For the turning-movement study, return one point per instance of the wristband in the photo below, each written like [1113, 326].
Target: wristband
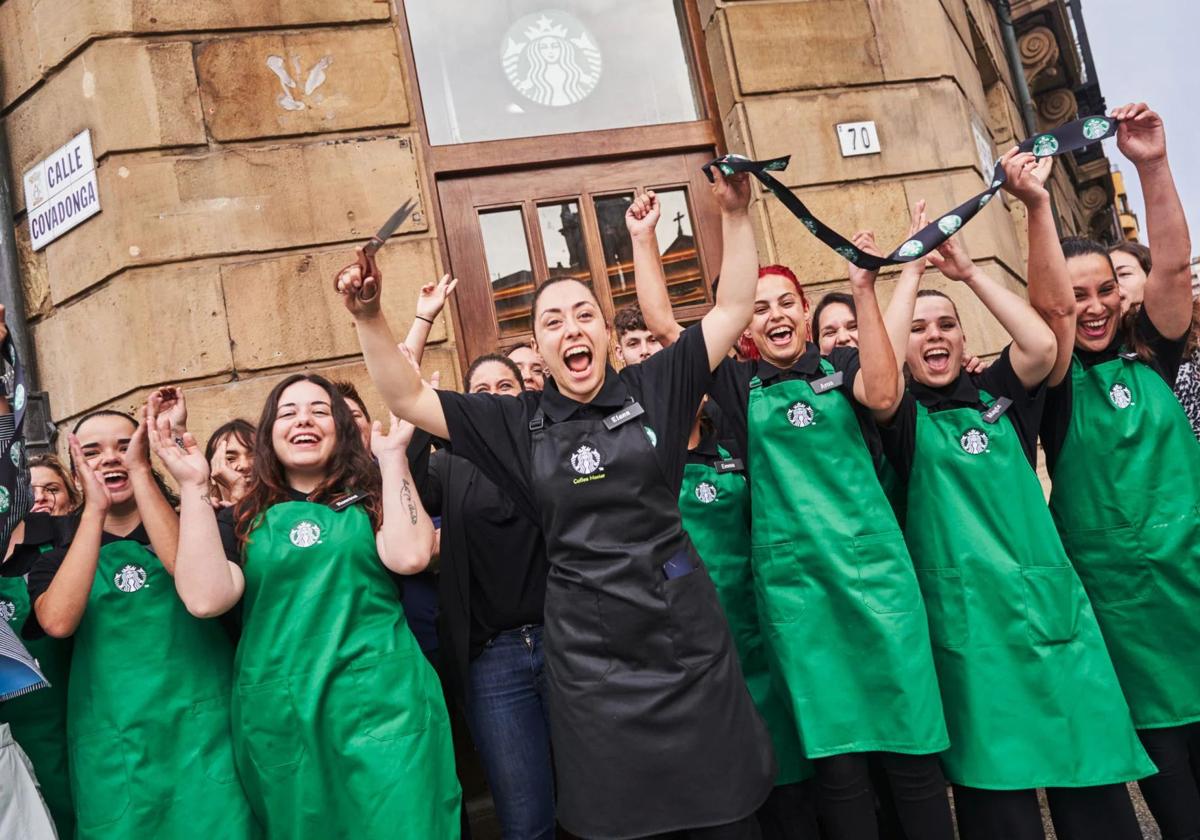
[426, 320]
[1066, 138]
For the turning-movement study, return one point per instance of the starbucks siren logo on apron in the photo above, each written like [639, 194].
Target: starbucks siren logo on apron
[974, 441]
[585, 460]
[7, 610]
[550, 58]
[1120, 395]
[800, 415]
[305, 534]
[130, 578]
[1095, 128]
[706, 492]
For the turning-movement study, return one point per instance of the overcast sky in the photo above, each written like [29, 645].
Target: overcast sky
[1146, 51]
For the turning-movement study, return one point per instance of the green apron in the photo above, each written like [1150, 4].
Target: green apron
[148, 711]
[1126, 500]
[340, 728]
[715, 505]
[39, 720]
[844, 620]
[1031, 696]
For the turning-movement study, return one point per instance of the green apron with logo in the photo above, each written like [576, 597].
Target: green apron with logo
[1126, 500]
[715, 506]
[842, 611]
[1030, 693]
[340, 727]
[39, 720]
[148, 711]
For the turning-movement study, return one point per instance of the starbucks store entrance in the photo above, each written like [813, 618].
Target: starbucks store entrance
[540, 124]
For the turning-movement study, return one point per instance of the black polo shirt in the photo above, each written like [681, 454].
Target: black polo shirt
[493, 431]
[43, 533]
[706, 451]
[506, 555]
[999, 380]
[1056, 420]
[731, 390]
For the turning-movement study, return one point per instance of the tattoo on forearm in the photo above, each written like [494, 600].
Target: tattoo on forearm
[406, 494]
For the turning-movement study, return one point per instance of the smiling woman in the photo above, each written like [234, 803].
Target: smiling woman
[643, 680]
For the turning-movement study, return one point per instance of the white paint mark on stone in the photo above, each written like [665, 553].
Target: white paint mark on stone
[135, 251]
[123, 172]
[285, 99]
[316, 76]
[89, 84]
[287, 81]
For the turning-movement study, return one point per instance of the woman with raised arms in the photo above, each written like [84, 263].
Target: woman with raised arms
[339, 726]
[838, 601]
[652, 727]
[1029, 690]
[1126, 475]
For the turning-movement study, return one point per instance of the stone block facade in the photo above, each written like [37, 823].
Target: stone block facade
[244, 148]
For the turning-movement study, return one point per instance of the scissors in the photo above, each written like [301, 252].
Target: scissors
[389, 227]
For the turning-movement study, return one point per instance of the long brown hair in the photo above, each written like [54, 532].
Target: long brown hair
[350, 467]
[1127, 333]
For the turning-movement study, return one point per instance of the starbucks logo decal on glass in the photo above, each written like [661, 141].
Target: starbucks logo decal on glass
[551, 58]
[305, 534]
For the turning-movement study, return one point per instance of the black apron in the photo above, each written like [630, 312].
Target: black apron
[652, 726]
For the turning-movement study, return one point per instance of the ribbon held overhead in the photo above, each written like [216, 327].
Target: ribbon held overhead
[1060, 141]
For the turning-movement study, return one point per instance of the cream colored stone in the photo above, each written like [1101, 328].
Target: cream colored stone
[921, 127]
[34, 281]
[51, 31]
[720, 62]
[799, 46]
[283, 311]
[301, 82]
[150, 326]
[141, 95]
[233, 201]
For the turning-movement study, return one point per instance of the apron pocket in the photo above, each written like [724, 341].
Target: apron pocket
[270, 726]
[698, 624]
[946, 606]
[580, 652]
[885, 574]
[1051, 605]
[1111, 564]
[102, 792]
[392, 701]
[211, 729]
[778, 582]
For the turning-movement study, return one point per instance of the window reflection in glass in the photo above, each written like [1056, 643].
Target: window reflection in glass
[562, 239]
[509, 269]
[522, 68]
[676, 243]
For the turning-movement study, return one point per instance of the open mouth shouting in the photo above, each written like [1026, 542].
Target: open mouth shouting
[115, 480]
[937, 359]
[1095, 329]
[781, 336]
[578, 360]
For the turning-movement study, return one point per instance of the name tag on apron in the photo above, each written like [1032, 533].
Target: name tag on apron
[728, 465]
[623, 416]
[1128, 355]
[827, 383]
[678, 566]
[997, 410]
[345, 501]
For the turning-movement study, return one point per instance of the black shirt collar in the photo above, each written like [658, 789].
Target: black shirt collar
[962, 391]
[558, 407]
[808, 364]
[706, 449]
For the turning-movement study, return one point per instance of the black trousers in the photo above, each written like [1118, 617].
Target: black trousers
[1104, 812]
[790, 813]
[745, 829]
[1173, 793]
[846, 797]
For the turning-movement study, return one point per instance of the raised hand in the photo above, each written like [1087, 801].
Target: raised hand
[732, 192]
[230, 482]
[433, 297]
[169, 402]
[643, 214]
[95, 494]
[1026, 176]
[178, 451]
[952, 260]
[137, 454]
[1141, 136]
[974, 364]
[864, 241]
[360, 284]
[395, 442]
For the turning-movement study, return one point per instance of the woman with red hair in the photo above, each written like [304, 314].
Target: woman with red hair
[838, 599]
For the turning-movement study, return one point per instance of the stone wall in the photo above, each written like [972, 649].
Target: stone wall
[242, 150]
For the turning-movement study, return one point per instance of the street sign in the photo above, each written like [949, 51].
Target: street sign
[858, 138]
[61, 191]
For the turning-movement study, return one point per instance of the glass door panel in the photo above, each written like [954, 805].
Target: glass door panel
[563, 242]
[509, 269]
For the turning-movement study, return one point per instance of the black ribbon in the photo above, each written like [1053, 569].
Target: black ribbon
[1066, 138]
[16, 494]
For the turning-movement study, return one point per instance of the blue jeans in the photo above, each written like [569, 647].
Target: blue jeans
[509, 720]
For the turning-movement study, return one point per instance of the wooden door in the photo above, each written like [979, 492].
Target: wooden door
[508, 233]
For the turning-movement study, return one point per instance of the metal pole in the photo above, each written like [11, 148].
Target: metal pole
[1020, 86]
[12, 292]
